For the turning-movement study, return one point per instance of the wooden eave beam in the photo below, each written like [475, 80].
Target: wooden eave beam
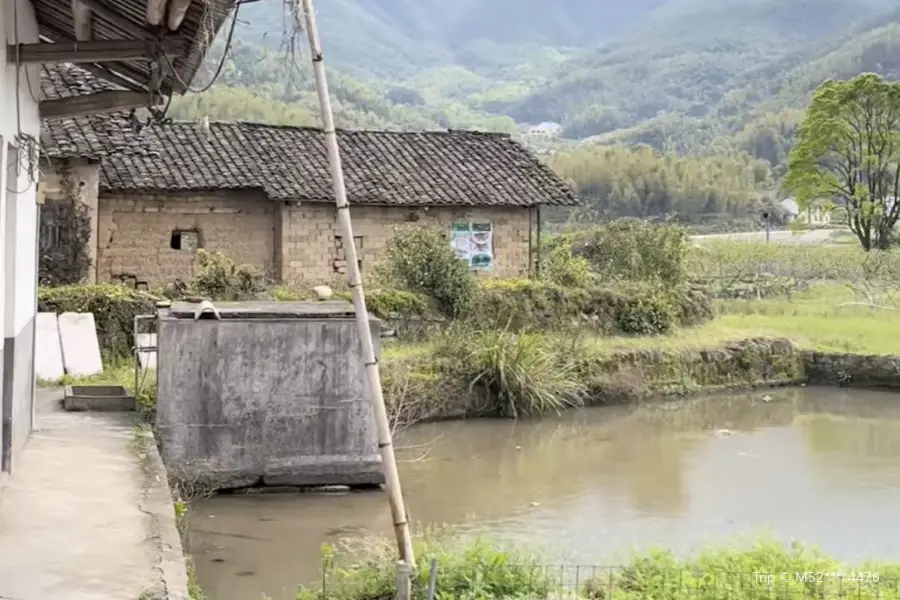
[95, 51]
[101, 102]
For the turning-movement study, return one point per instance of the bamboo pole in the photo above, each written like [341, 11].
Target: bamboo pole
[385, 443]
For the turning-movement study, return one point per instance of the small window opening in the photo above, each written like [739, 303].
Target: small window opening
[340, 262]
[184, 240]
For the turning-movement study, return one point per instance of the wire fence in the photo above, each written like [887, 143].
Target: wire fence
[639, 581]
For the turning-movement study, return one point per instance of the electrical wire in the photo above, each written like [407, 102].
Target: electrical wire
[225, 52]
[26, 144]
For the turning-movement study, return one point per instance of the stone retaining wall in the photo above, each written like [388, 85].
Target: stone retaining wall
[852, 370]
[629, 376]
[159, 506]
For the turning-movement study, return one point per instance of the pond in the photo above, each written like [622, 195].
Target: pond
[819, 465]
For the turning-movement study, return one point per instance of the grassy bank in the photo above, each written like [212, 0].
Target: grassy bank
[745, 345]
[471, 371]
[511, 375]
[762, 568]
[828, 317]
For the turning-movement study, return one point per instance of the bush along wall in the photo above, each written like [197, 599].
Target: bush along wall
[629, 308]
[633, 249]
[114, 308]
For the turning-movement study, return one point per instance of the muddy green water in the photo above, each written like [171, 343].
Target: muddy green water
[820, 465]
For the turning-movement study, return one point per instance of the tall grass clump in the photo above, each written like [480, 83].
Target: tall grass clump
[467, 570]
[511, 374]
[422, 261]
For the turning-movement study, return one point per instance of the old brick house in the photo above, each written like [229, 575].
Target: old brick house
[262, 195]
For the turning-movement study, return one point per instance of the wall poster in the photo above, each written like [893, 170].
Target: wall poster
[474, 243]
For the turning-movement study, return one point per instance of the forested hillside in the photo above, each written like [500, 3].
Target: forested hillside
[690, 78]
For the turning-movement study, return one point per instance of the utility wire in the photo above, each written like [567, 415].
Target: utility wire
[225, 52]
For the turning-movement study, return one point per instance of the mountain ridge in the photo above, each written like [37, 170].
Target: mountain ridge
[685, 75]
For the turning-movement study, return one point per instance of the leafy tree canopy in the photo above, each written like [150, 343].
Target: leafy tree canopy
[848, 153]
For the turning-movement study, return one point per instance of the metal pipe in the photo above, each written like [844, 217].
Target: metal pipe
[373, 377]
[432, 579]
[37, 285]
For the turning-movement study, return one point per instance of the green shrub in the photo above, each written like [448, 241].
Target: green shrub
[220, 278]
[422, 261]
[391, 304]
[527, 303]
[630, 308]
[114, 308]
[693, 305]
[632, 249]
[644, 312]
[509, 374]
[562, 267]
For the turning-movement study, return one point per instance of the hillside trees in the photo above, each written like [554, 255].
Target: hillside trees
[643, 182]
[848, 153]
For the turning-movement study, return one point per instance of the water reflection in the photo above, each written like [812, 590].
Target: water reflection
[813, 464]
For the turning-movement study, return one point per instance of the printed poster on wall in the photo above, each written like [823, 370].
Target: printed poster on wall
[474, 243]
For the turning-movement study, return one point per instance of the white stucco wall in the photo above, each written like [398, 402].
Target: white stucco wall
[19, 119]
[15, 118]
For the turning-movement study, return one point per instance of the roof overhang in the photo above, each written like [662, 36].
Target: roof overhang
[147, 47]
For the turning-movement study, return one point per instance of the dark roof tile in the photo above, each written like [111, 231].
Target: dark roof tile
[453, 168]
[92, 137]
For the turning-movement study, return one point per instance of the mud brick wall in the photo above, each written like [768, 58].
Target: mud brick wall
[312, 250]
[295, 243]
[135, 234]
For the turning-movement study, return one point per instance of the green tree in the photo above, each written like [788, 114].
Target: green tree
[848, 153]
[645, 183]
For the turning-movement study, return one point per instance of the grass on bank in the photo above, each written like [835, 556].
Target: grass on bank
[497, 374]
[546, 372]
[824, 318]
[482, 570]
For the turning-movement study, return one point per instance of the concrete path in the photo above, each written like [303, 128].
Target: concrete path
[73, 524]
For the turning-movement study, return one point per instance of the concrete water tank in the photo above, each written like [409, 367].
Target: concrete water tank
[268, 393]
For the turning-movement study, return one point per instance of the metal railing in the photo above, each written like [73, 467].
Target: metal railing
[640, 581]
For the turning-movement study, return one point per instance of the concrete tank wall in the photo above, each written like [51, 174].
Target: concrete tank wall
[277, 399]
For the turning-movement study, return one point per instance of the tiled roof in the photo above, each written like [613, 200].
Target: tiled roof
[92, 137]
[290, 163]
